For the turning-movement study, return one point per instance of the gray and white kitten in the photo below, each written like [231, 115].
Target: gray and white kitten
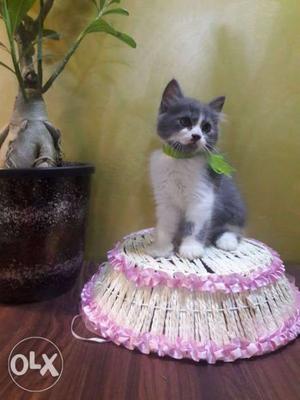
[194, 205]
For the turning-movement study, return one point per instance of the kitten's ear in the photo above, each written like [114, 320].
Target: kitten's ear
[217, 103]
[170, 94]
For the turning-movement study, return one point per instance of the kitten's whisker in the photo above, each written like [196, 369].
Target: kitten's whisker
[206, 149]
[209, 148]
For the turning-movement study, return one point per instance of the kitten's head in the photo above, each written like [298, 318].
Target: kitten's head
[185, 123]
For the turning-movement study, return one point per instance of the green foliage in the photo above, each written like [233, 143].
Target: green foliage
[17, 9]
[120, 11]
[51, 34]
[218, 164]
[99, 25]
[6, 19]
[102, 4]
[13, 13]
[96, 4]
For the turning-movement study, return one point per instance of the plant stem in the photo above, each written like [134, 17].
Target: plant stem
[69, 54]
[40, 45]
[7, 67]
[63, 63]
[16, 67]
[12, 49]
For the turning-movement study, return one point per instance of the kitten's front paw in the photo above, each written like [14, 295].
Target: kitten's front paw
[227, 241]
[190, 248]
[159, 250]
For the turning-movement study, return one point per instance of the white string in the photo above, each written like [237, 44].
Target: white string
[76, 336]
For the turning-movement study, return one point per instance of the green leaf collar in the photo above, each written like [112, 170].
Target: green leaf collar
[216, 161]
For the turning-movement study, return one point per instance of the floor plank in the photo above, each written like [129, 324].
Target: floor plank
[105, 371]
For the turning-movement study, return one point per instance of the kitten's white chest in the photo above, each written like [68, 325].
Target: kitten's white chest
[181, 181]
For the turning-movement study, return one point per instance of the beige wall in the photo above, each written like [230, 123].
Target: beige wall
[106, 103]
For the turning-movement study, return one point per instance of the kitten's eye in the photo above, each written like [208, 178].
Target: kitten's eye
[205, 127]
[185, 122]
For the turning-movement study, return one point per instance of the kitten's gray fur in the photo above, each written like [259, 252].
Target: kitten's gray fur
[228, 210]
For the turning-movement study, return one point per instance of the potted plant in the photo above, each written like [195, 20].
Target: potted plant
[43, 199]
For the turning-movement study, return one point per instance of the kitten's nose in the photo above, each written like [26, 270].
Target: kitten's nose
[196, 137]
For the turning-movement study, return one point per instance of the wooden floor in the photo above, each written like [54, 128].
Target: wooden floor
[105, 371]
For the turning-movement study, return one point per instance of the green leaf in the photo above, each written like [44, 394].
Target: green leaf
[51, 34]
[96, 4]
[99, 25]
[17, 9]
[102, 4]
[114, 1]
[7, 67]
[6, 18]
[120, 11]
[218, 164]
[7, 21]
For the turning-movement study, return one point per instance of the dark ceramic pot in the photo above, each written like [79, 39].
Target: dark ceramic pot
[43, 214]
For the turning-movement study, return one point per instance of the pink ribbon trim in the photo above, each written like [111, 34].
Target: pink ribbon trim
[231, 283]
[98, 322]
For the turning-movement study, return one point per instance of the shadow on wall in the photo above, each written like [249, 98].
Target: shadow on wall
[263, 138]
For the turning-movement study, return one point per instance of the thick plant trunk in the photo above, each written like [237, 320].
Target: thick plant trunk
[29, 140]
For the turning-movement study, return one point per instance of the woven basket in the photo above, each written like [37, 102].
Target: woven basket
[224, 306]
